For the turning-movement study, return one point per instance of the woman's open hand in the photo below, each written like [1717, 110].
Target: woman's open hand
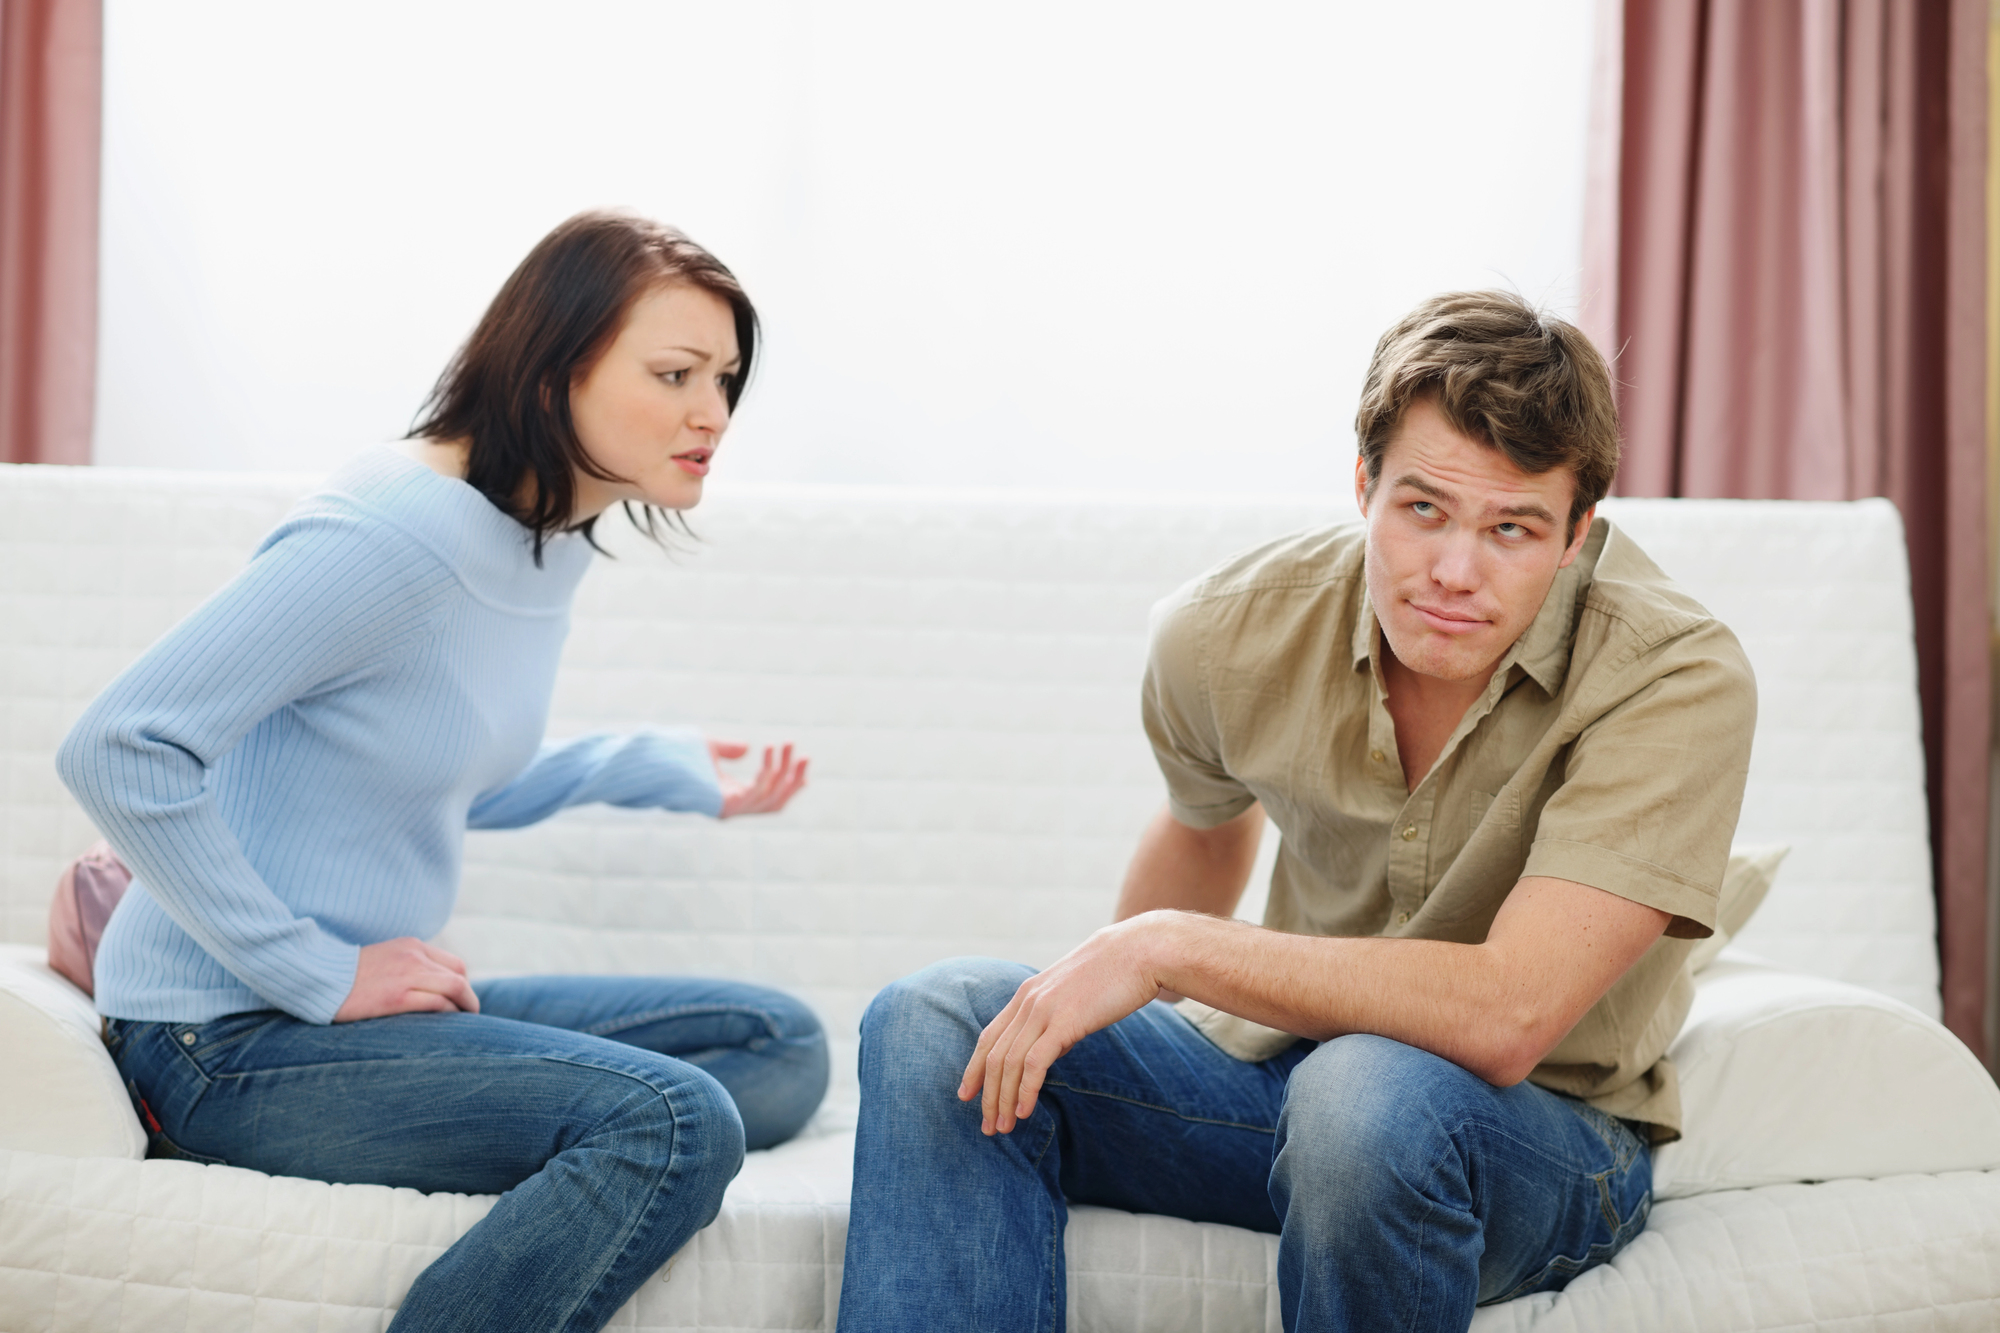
[778, 779]
[407, 976]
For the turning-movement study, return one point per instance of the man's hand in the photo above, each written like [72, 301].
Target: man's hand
[778, 780]
[1092, 986]
[407, 976]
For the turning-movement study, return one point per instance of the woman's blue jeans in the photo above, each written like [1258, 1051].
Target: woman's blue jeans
[609, 1113]
[1405, 1190]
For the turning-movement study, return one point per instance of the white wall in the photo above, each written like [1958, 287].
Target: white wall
[1078, 245]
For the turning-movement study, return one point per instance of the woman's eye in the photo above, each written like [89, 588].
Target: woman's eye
[674, 377]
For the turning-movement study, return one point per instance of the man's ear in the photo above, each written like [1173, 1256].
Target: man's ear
[1361, 483]
[1577, 538]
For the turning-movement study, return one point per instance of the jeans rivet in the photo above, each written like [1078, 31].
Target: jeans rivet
[187, 1038]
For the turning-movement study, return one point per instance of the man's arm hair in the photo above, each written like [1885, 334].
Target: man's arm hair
[1496, 1008]
[1179, 868]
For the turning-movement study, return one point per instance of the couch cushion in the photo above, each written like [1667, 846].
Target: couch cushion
[61, 1093]
[1786, 1077]
[1747, 879]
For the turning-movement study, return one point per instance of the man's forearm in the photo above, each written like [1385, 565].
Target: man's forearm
[1191, 870]
[1495, 1008]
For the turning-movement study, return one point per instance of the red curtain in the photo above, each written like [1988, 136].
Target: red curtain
[1786, 249]
[51, 62]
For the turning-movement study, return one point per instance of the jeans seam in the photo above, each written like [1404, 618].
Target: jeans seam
[1058, 1291]
[1164, 1110]
[627, 1021]
[1604, 1203]
[1432, 1171]
[646, 1217]
[641, 1079]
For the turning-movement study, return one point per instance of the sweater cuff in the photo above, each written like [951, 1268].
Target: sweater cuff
[686, 777]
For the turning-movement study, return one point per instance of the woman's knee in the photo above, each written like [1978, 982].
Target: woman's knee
[776, 1101]
[790, 1018]
[684, 1131]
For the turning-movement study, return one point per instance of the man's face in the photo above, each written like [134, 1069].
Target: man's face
[1462, 546]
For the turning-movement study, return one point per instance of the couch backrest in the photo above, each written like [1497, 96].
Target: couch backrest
[963, 670]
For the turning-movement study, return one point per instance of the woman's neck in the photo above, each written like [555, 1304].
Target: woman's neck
[447, 458]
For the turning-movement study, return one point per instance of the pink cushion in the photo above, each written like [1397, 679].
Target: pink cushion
[89, 888]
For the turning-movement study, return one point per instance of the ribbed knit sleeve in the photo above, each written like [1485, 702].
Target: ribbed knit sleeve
[329, 600]
[665, 769]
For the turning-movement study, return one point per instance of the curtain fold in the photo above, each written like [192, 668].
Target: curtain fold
[51, 74]
[1786, 251]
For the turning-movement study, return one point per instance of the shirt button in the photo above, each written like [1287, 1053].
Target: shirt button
[1402, 917]
[1376, 755]
[1410, 833]
[187, 1038]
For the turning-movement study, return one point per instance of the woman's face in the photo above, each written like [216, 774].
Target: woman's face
[653, 408]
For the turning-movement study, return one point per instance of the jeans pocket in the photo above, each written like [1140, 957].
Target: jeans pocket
[158, 1145]
[1618, 1135]
[1619, 1196]
[204, 1042]
[1557, 1273]
[161, 1148]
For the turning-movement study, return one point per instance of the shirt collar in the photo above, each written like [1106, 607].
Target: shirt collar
[1543, 650]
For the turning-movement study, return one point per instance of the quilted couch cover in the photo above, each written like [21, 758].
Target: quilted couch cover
[963, 670]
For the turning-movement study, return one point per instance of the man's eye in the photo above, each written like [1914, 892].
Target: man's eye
[1424, 508]
[1512, 530]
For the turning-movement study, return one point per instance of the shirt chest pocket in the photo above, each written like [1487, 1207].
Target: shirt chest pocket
[1497, 814]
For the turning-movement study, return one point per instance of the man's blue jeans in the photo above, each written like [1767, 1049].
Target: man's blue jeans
[1405, 1190]
[609, 1113]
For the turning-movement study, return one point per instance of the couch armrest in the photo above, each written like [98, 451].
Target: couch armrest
[1788, 1077]
[60, 1093]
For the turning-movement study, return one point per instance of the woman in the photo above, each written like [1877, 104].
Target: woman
[290, 771]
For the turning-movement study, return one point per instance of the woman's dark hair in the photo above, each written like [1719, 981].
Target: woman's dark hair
[506, 391]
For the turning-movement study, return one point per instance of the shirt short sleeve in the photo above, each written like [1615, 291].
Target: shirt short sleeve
[1180, 719]
[1653, 784]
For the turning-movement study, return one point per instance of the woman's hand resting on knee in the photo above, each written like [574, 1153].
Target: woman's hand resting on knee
[407, 976]
[778, 780]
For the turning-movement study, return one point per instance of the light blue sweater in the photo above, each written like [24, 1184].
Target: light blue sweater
[291, 770]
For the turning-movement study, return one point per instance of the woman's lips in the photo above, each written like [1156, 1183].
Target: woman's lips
[695, 462]
[1450, 622]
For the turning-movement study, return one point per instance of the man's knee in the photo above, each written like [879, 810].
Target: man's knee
[1363, 1111]
[931, 1018]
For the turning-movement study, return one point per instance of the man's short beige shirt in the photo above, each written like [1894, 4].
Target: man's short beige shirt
[1609, 748]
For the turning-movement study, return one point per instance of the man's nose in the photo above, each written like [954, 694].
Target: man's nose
[1457, 564]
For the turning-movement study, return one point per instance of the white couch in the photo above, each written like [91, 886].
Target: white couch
[963, 670]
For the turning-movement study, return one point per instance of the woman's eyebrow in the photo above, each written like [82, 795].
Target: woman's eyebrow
[700, 355]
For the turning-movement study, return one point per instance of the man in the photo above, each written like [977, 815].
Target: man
[1506, 756]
